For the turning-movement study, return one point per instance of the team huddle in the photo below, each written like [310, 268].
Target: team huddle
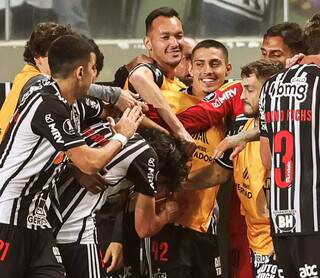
[120, 179]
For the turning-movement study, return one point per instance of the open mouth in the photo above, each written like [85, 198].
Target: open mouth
[208, 81]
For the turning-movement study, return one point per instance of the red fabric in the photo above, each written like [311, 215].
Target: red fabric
[208, 113]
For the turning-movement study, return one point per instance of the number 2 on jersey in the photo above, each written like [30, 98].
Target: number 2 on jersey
[283, 146]
[4, 246]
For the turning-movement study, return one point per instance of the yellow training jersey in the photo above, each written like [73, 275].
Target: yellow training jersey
[11, 101]
[251, 183]
[196, 206]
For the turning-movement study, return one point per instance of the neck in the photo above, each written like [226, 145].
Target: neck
[168, 70]
[66, 89]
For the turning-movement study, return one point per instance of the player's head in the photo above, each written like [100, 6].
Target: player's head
[253, 77]
[182, 71]
[163, 36]
[99, 58]
[171, 154]
[36, 48]
[210, 66]
[312, 35]
[72, 59]
[282, 41]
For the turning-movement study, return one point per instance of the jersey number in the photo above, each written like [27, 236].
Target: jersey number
[4, 246]
[283, 146]
[160, 250]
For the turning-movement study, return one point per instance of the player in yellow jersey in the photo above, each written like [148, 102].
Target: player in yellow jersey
[189, 247]
[250, 176]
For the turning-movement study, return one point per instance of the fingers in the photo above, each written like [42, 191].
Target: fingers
[107, 256]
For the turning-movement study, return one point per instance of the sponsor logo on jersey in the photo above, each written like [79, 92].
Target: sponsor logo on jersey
[56, 253]
[68, 127]
[217, 265]
[284, 220]
[151, 172]
[94, 104]
[297, 88]
[54, 131]
[267, 270]
[244, 190]
[159, 274]
[218, 101]
[308, 271]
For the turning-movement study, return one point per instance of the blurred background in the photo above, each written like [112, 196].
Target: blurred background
[118, 25]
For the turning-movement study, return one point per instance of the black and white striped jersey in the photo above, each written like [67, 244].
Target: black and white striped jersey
[136, 164]
[289, 117]
[30, 155]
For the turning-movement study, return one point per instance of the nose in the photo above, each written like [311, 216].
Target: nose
[242, 96]
[174, 42]
[208, 68]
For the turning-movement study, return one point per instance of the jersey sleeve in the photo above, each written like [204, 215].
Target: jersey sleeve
[262, 119]
[212, 109]
[234, 129]
[52, 121]
[90, 107]
[143, 172]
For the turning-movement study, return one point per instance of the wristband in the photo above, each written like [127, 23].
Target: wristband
[121, 138]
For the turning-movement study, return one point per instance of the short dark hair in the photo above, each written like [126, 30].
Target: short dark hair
[263, 69]
[171, 154]
[99, 56]
[291, 33]
[214, 44]
[42, 37]
[163, 11]
[312, 35]
[68, 52]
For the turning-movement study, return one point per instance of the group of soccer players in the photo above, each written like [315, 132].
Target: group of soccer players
[93, 177]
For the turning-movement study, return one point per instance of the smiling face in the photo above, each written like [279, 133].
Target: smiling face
[250, 95]
[274, 48]
[209, 70]
[164, 41]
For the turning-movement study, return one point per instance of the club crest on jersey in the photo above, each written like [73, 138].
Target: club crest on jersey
[68, 127]
[297, 88]
[285, 220]
[209, 97]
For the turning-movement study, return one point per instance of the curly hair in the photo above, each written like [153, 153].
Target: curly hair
[311, 35]
[42, 37]
[171, 154]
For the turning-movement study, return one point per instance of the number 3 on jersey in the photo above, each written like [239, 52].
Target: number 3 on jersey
[283, 150]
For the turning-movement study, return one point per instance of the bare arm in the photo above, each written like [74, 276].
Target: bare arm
[142, 80]
[236, 142]
[147, 222]
[207, 176]
[265, 152]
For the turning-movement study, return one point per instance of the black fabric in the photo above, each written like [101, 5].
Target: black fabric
[76, 259]
[264, 265]
[179, 251]
[297, 256]
[27, 253]
[143, 172]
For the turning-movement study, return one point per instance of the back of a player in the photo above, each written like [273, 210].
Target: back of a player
[289, 113]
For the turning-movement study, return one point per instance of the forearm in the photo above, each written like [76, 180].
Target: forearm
[148, 123]
[92, 160]
[207, 176]
[250, 135]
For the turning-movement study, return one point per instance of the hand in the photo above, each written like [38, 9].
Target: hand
[237, 142]
[294, 60]
[93, 183]
[188, 141]
[172, 210]
[129, 122]
[115, 254]
[128, 99]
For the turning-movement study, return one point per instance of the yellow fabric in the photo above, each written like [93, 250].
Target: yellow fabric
[196, 206]
[251, 181]
[10, 104]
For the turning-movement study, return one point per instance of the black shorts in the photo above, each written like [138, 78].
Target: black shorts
[29, 253]
[182, 252]
[134, 256]
[298, 256]
[264, 265]
[81, 260]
